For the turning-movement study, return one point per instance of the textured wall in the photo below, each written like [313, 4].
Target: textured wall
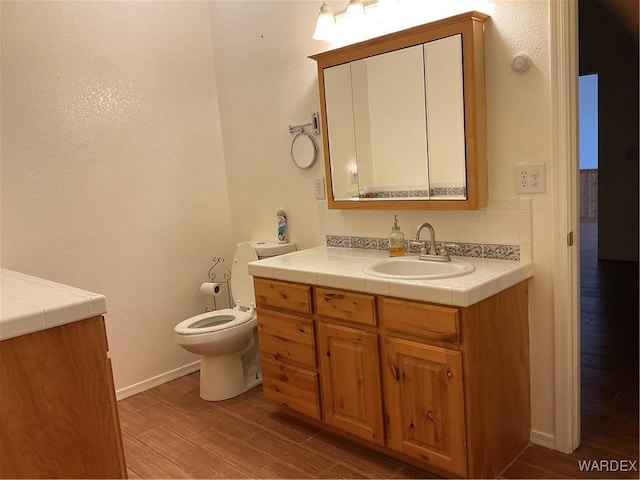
[266, 83]
[112, 172]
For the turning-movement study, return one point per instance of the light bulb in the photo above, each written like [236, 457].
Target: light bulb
[355, 12]
[325, 25]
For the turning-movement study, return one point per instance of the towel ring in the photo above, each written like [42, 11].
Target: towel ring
[304, 153]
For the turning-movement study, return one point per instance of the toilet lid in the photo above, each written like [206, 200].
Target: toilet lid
[213, 321]
[241, 282]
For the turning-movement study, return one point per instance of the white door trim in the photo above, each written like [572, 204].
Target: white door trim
[564, 119]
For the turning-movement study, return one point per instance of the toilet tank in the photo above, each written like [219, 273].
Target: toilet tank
[271, 249]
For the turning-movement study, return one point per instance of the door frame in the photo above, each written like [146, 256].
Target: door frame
[565, 250]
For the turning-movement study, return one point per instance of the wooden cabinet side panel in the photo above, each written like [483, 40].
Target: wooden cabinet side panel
[114, 404]
[57, 408]
[350, 378]
[496, 335]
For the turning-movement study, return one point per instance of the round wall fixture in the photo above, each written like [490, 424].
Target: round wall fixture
[520, 62]
[304, 150]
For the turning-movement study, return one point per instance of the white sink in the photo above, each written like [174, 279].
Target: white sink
[410, 268]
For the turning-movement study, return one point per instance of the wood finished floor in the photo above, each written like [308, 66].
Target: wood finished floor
[169, 432]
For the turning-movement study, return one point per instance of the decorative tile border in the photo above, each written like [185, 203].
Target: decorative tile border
[423, 194]
[448, 192]
[473, 250]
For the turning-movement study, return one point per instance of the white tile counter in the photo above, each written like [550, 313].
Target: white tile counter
[342, 268]
[30, 304]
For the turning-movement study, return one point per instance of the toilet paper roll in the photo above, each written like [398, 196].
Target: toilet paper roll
[209, 289]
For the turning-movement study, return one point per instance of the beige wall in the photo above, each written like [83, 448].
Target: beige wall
[112, 170]
[113, 177]
[266, 83]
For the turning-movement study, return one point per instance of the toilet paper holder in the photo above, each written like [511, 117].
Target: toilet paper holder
[219, 282]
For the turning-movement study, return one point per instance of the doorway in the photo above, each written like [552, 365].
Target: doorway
[608, 47]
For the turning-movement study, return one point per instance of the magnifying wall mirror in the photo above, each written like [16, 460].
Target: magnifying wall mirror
[304, 150]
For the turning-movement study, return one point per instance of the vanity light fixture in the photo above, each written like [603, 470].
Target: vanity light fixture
[353, 18]
[326, 23]
[387, 7]
[355, 12]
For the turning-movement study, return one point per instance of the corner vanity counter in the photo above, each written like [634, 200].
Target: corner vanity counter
[58, 408]
[432, 370]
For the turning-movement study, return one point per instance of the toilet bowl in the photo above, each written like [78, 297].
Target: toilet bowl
[227, 340]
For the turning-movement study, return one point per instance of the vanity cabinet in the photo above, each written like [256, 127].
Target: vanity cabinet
[58, 411]
[444, 388]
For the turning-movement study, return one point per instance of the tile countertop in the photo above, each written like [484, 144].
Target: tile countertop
[342, 268]
[30, 304]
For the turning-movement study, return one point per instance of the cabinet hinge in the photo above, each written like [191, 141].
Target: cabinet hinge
[570, 239]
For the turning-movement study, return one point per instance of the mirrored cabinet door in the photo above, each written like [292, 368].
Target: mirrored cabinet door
[445, 118]
[403, 118]
[374, 115]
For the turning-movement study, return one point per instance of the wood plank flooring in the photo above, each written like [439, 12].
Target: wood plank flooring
[169, 432]
[609, 371]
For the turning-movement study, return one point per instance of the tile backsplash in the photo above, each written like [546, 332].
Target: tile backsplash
[502, 230]
[474, 250]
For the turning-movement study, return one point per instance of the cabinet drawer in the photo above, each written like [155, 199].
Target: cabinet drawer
[429, 321]
[290, 296]
[291, 386]
[354, 307]
[286, 338]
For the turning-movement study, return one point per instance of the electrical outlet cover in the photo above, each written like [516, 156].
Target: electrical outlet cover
[530, 178]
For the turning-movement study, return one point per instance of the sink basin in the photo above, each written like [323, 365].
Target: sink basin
[410, 268]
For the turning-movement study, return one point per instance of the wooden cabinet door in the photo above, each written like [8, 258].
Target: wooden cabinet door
[350, 379]
[425, 403]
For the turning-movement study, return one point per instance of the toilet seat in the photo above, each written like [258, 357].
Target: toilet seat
[242, 288]
[213, 321]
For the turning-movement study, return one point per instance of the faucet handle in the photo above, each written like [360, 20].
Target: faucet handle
[445, 250]
[422, 245]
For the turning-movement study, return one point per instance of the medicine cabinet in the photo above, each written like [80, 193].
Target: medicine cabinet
[403, 117]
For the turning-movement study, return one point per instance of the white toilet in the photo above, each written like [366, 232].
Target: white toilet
[227, 339]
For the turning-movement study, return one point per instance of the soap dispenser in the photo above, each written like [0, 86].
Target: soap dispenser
[396, 240]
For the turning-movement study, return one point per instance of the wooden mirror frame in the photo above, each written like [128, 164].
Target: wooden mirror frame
[471, 26]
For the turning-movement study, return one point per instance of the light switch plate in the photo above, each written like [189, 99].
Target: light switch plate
[531, 178]
[318, 187]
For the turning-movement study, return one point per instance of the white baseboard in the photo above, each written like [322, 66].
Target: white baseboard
[543, 439]
[157, 380]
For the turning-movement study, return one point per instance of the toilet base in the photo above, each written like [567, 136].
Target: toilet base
[227, 376]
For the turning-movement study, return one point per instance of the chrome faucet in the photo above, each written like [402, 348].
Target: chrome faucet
[432, 253]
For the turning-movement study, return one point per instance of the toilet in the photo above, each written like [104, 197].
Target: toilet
[227, 340]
